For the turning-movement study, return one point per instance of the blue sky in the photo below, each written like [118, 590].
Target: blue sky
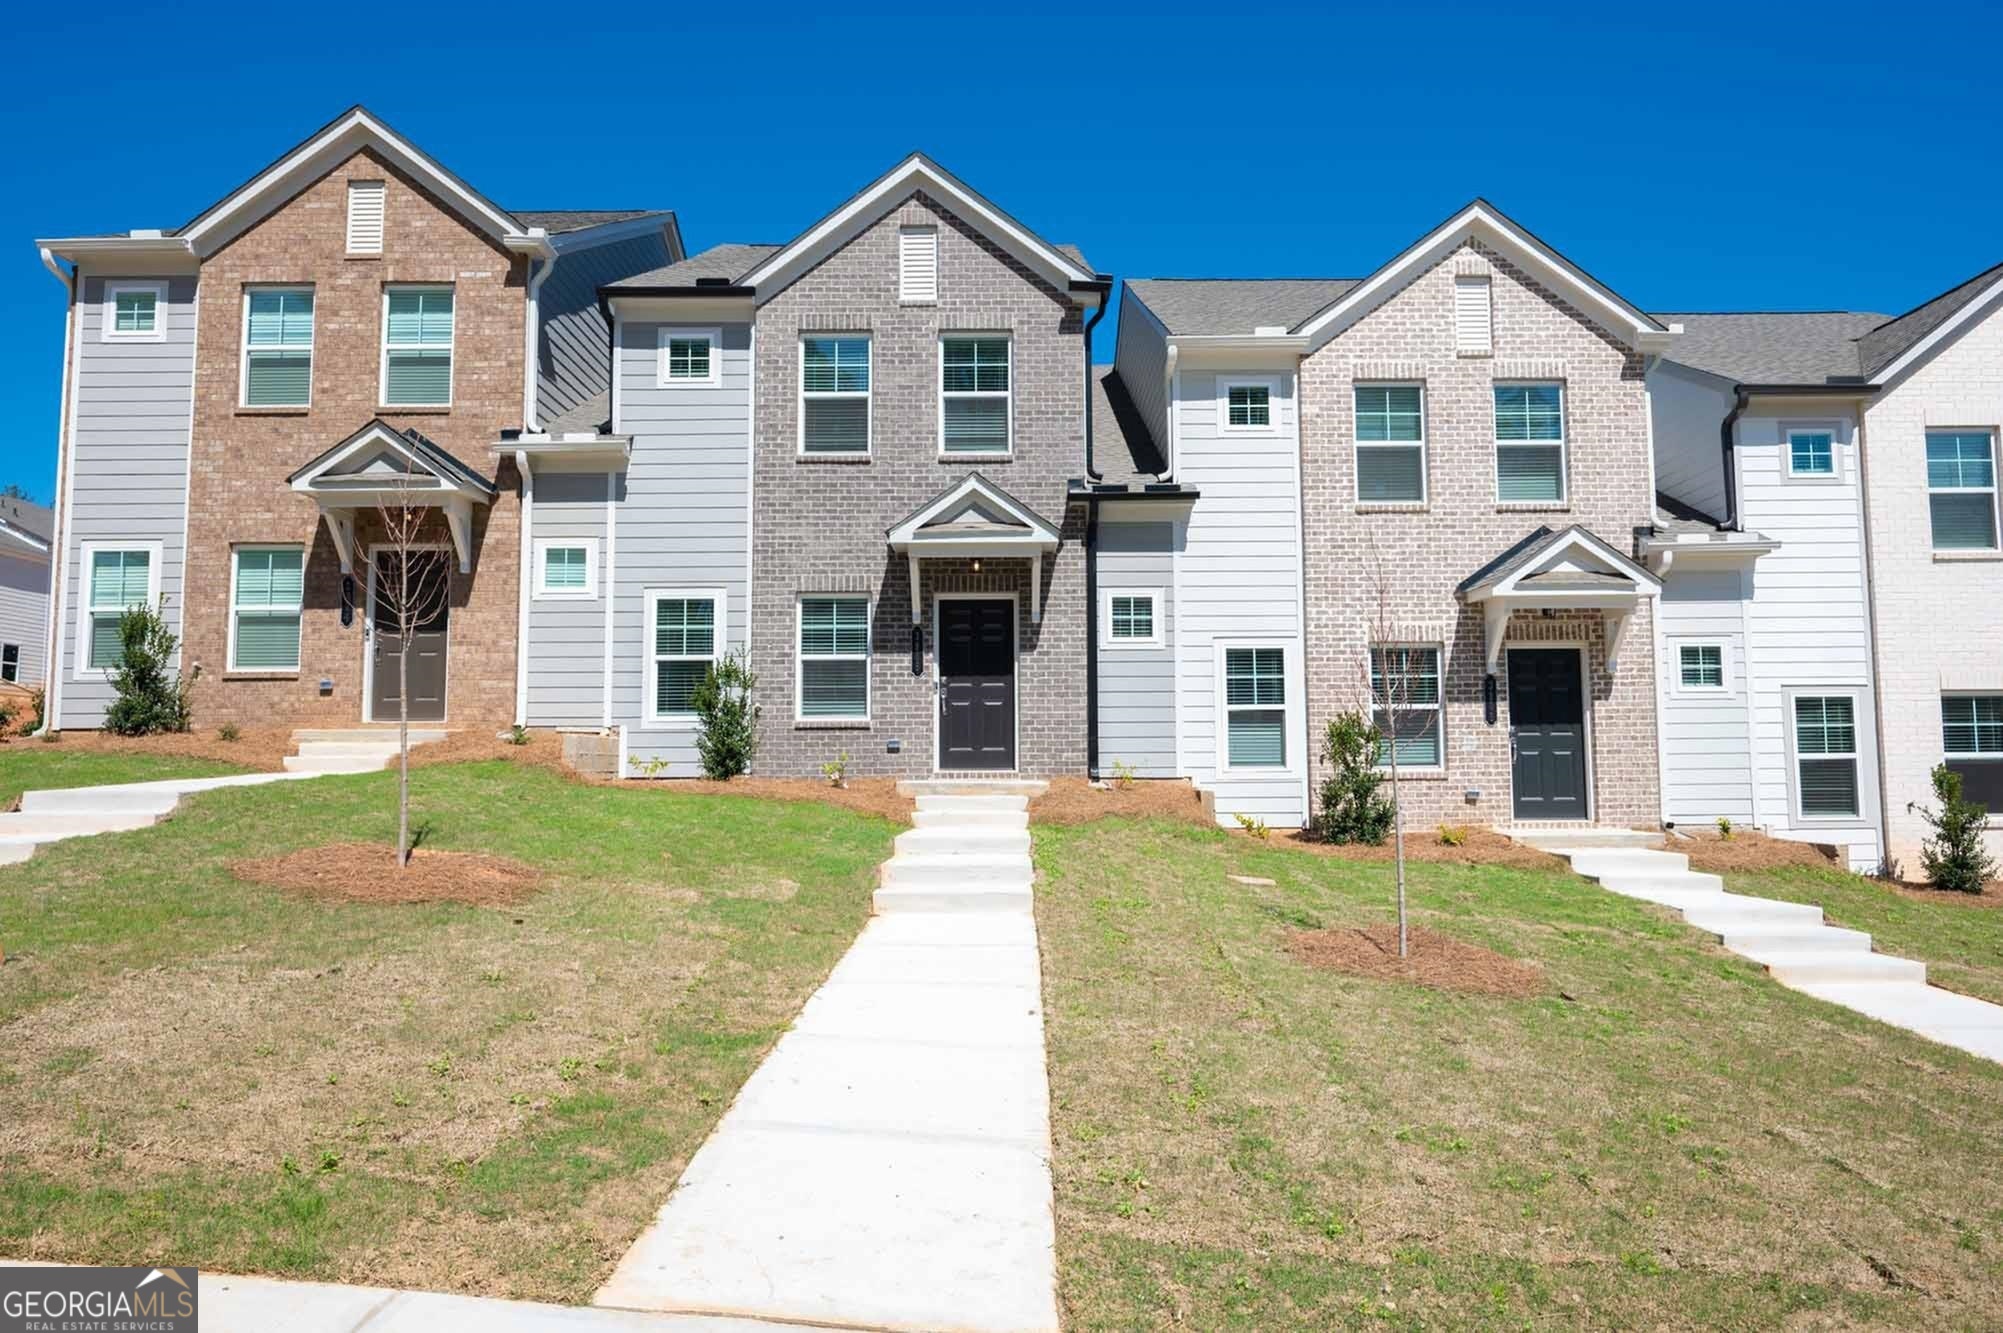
[1693, 156]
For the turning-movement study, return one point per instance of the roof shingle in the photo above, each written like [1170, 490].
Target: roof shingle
[1212, 306]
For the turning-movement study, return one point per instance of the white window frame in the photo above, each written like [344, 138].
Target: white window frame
[867, 395]
[867, 657]
[1356, 431]
[1993, 491]
[298, 610]
[904, 296]
[109, 316]
[1790, 429]
[1980, 755]
[1008, 395]
[382, 236]
[1226, 383]
[1290, 674]
[1563, 443]
[543, 591]
[1724, 686]
[10, 671]
[1855, 756]
[451, 348]
[244, 347]
[667, 334]
[651, 672]
[80, 665]
[1439, 652]
[1106, 638]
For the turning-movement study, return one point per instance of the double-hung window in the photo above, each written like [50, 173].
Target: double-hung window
[417, 347]
[1961, 489]
[1405, 705]
[1390, 443]
[834, 395]
[974, 395]
[1811, 453]
[1700, 667]
[682, 630]
[1247, 405]
[10, 661]
[1131, 619]
[566, 567]
[135, 312]
[1255, 707]
[120, 579]
[688, 359]
[1825, 755]
[1529, 443]
[834, 659]
[268, 586]
[278, 347]
[1971, 729]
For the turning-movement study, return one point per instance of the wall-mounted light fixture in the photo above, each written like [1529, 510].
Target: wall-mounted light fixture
[977, 564]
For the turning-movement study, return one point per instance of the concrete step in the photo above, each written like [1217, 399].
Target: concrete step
[1559, 840]
[1007, 819]
[353, 748]
[967, 802]
[137, 799]
[971, 787]
[335, 763]
[1604, 861]
[1825, 967]
[984, 870]
[964, 840]
[46, 827]
[1794, 939]
[378, 735]
[1730, 912]
[1675, 882]
[14, 855]
[889, 900]
[1682, 900]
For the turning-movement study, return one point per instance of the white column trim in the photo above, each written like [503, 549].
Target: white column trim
[611, 564]
[528, 583]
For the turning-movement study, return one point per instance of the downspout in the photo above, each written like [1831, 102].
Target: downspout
[532, 338]
[52, 661]
[1091, 640]
[527, 582]
[1727, 431]
[1871, 655]
[1091, 472]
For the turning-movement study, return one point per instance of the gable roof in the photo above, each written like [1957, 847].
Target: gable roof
[27, 516]
[1537, 560]
[558, 221]
[942, 518]
[1772, 347]
[1211, 306]
[726, 263]
[1887, 344]
[410, 444]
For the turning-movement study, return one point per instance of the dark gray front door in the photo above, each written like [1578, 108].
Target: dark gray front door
[977, 684]
[430, 593]
[1547, 733]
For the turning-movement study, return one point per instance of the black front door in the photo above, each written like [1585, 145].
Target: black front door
[977, 684]
[422, 596]
[1547, 733]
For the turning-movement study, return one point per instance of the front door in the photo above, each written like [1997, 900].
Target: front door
[977, 683]
[421, 599]
[1547, 733]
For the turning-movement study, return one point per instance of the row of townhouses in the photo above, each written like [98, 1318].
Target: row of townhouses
[1587, 562]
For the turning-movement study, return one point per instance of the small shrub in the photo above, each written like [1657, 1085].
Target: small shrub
[38, 699]
[836, 770]
[8, 710]
[650, 767]
[1123, 774]
[1352, 807]
[1252, 825]
[1724, 828]
[1954, 857]
[518, 735]
[1453, 835]
[150, 698]
[228, 731]
[727, 737]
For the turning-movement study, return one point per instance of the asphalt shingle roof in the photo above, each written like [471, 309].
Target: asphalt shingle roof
[1123, 452]
[556, 221]
[28, 516]
[729, 261]
[593, 416]
[1202, 306]
[1888, 342]
[1772, 347]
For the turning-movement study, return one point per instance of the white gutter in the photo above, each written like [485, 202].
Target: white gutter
[528, 575]
[52, 665]
[532, 328]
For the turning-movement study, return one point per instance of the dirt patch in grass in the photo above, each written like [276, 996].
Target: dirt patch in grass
[1077, 801]
[1479, 847]
[1436, 960]
[1747, 851]
[262, 749]
[1991, 895]
[366, 872]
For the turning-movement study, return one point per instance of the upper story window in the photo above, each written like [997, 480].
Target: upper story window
[834, 394]
[566, 567]
[417, 347]
[1700, 666]
[278, 347]
[918, 265]
[1961, 489]
[365, 217]
[135, 312]
[974, 395]
[1390, 443]
[1530, 443]
[1132, 617]
[1246, 405]
[1811, 453]
[1473, 317]
[689, 359]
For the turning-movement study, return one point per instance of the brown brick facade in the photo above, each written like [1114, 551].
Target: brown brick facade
[819, 526]
[1419, 554]
[242, 457]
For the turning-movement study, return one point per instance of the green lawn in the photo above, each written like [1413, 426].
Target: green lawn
[26, 765]
[435, 1096]
[1664, 1139]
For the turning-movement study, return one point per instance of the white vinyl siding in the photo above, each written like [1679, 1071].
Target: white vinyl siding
[974, 396]
[119, 578]
[268, 587]
[1405, 705]
[1390, 443]
[1961, 489]
[1473, 317]
[365, 217]
[835, 394]
[682, 629]
[689, 359]
[135, 312]
[417, 347]
[566, 568]
[918, 265]
[278, 347]
[1825, 756]
[10, 661]
[833, 659]
[1255, 707]
[1530, 443]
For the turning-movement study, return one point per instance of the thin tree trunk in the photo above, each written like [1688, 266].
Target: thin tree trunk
[1398, 834]
[403, 752]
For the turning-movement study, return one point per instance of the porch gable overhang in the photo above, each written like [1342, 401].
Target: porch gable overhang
[1566, 570]
[380, 466]
[975, 519]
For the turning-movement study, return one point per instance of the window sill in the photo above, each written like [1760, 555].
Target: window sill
[1483, 354]
[1967, 557]
[372, 259]
[414, 410]
[657, 724]
[831, 724]
[832, 458]
[293, 674]
[1392, 506]
[284, 410]
[564, 597]
[1132, 645]
[1415, 774]
[945, 457]
[1533, 506]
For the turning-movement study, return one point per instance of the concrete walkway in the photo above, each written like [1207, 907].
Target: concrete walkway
[1790, 940]
[888, 1165]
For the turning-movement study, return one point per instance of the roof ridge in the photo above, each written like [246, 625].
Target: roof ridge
[1186, 278]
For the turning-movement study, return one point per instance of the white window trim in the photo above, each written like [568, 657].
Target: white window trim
[1291, 675]
[1563, 443]
[1270, 383]
[867, 656]
[545, 593]
[1439, 651]
[668, 333]
[13, 666]
[348, 240]
[80, 666]
[1790, 429]
[243, 343]
[1724, 688]
[109, 316]
[1356, 430]
[658, 721]
[903, 298]
[451, 348]
[298, 610]
[1008, 394]
[867, 395]
[1794, 755]
[1991, 490]
[1106, 639]
[1978, 755]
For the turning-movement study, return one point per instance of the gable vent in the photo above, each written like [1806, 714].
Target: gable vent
[365, 217]
[1472, 324]
[918, 264]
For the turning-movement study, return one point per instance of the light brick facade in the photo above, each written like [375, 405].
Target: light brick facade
[1418, 554]
[819, 524]
[241, 457]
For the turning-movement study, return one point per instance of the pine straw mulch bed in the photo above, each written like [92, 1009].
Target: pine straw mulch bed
[366, 872]
[1435, 960]
[1480, 847]
[1991, 895]
[869, 796]
[1077, 801]
[1746, 851]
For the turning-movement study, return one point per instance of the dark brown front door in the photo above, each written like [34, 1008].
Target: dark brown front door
[1547, 733]
[429, 591]
[977, 684]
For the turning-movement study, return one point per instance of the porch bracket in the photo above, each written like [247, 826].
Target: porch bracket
[1495, 625]
[917, 606]
[341, 527]
[1035, 587]
[459, 517]
[1616, 625]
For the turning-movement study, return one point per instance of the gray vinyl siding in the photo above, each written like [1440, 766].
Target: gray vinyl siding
[24, 612]
[1141, 353]
[684, 521]
[1706, 744]
[1136, 686]
[1686, 407]
[129, 466]
[566, 647]
[573, 355]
